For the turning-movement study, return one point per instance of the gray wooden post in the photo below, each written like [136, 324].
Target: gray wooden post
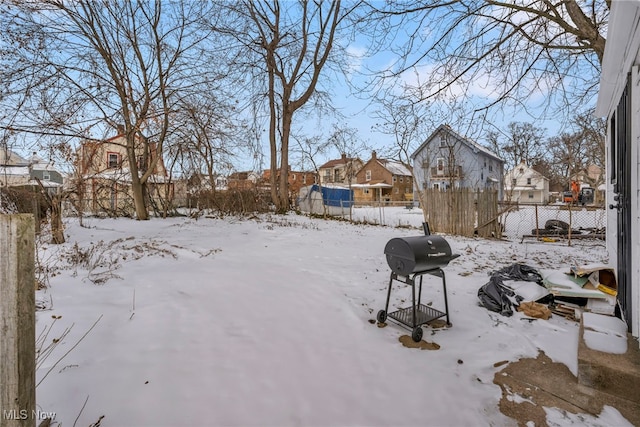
[17, 321]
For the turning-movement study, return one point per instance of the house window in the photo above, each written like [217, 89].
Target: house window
[327, 175]
[113, 160]
[436, 186]
[368, 175]
[490, 167]
[401, 179]
[397, 190]
[141, 163]
[46, 176]
[394, 178]
[293, 177]
[531, 194]
[528, 181]
[443, 141]
[440, 166]
[304, 178]
[365, 190]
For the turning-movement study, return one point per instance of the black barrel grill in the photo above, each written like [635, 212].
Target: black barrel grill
[410, 258]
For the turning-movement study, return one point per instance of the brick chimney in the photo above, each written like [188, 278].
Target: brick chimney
[120, 129]
[373, 155]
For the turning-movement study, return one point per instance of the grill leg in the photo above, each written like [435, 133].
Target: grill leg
[446, 304]
[386, 306]
[413, 298]
[420, 291]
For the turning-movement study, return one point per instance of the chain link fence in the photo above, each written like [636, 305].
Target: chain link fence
[561, 224]
[554, 223]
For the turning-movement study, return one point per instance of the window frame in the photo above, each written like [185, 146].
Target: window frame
[117, 160]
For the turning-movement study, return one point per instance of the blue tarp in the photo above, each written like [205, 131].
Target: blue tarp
[342, 197]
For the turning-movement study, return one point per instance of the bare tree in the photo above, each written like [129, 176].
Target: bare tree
[568, 152]
[522, 142]
[88, 67]
[309, 149]
[294, 42]
[404, 118]
[346, 141]
[572, 153]
[506, 52]
[207, 137]
[593, 130]
[342, 138]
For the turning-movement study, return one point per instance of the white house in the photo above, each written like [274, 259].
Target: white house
[619, 102]
[523, 184]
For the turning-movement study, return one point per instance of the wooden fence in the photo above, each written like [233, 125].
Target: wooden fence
[17, 320]
[463, 212]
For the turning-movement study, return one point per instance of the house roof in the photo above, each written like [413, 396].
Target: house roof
[376, 185]
[338, 162]
[14, 170]
[623, 42]
[528, 172]
[38, 163]
[470, 143]
[524, 188]
[11, 158]
[124, 176]
[395, 167]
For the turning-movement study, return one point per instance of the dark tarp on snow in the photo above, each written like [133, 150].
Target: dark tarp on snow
[498, 297]
[341, 197]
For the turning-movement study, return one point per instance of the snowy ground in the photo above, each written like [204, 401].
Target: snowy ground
[268, 322]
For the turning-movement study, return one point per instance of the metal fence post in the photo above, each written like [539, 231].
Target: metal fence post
[537, 224]
[17, 320]
[570, 226]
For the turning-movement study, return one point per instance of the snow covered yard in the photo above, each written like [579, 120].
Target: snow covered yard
[269, 322]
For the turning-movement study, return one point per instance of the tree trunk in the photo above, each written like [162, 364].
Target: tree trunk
[283, 189]
[137, 185]
[137, 191]
[273, 144]
[138, 202]
[57, 229]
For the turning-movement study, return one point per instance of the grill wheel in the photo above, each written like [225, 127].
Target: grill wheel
[416, 335]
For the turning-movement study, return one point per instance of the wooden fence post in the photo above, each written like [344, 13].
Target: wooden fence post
[17, 321]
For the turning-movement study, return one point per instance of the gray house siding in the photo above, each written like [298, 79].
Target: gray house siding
[47, 175]
[447, 159]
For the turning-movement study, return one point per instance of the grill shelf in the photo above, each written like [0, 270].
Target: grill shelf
[424, 314]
